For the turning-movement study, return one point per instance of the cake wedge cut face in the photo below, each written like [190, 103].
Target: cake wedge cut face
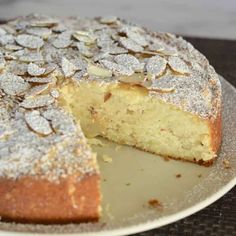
[65, 80]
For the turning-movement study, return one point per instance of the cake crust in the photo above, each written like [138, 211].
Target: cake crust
[35, 200]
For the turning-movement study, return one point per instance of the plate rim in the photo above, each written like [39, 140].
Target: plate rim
[162, 221]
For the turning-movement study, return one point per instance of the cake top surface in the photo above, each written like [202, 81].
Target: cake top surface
[36, 50]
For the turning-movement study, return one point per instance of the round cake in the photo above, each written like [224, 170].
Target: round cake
[65, 80]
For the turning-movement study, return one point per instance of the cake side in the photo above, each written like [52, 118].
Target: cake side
[34, 200]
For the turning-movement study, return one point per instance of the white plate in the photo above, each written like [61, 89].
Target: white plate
[134, 177]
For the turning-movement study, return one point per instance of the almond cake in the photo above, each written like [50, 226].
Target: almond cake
[63, 80]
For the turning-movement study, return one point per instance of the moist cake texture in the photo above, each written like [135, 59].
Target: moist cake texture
[62, 80]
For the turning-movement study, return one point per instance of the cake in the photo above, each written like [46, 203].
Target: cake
[65, 80]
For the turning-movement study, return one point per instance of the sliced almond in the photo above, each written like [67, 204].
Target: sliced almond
[178, 65]
[108, 19]
[31, 57]
[84, 36]
[37, 101]
[63, 40]
[98, 71]
[38, 123]
[13, 84]
[41, 32]
[136, 78]
[29, 41]
[129, 61]
[36, 90]
[13, 47]
[137, 37]
[83, 49]
[40, 80]
[156, 65]
[130, 45]
[35, 70]
[44, 23]
[116, 68]
[162, 90]
[68, 67]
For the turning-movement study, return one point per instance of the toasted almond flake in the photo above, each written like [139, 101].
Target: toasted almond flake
[35, 70]
[40, 80]
[130, 45]
[13, 55]
[178, 65]
[115, 50]
[59, 28]
[54, 93]
[63, 40]
[17, 68]
[116, 68]
[100, 56]
[68, 67]
[156, 47]
[61, 122]
[38, 31]
[31, 57]
[162, 90]
[156, 65]
[36, 90]
[108, 20]
[38, 123]
[37, 101]
[61, 43]
[79, 75]
[44, 23]
[145, 52]
[83, 49]
[136, 78]
[168, 52]
[104, 40]
[137, 38]
[84, 36]
[13, 47]
[98, 71]
[83, 33]
[50, 68]
[29, 41]
[129, 61]
[13, 84]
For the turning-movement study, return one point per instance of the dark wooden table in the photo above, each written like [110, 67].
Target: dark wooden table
[220, 217]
